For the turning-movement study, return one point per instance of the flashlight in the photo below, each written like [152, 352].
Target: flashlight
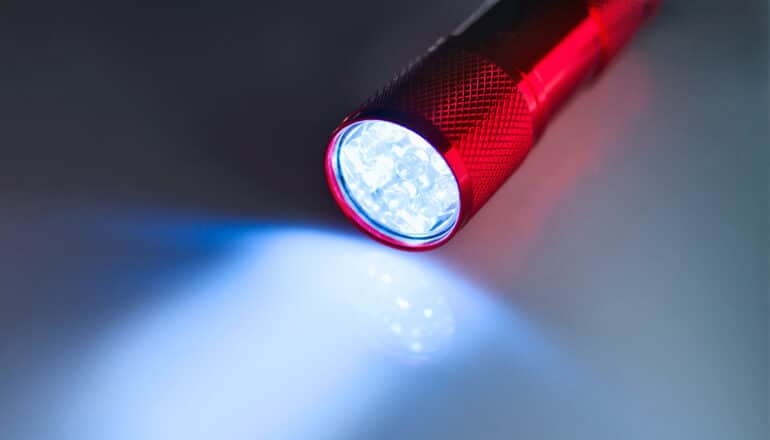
[415, 162]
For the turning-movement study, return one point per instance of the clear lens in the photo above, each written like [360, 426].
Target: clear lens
[396, 181]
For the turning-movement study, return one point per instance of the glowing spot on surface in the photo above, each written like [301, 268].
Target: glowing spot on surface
[244, 348]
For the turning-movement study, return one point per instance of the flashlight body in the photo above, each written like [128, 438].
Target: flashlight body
[483, 95]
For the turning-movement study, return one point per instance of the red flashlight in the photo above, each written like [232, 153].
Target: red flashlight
[414, 163]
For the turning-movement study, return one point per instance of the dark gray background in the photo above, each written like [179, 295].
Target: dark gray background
[636, 232]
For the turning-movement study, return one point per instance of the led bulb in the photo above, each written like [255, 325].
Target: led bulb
[395, 181]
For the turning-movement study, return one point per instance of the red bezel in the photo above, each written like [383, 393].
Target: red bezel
[450, 155]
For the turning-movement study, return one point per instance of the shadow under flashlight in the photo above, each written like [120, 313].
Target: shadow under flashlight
[414, 163]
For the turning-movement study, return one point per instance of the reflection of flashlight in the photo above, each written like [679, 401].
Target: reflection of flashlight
[416, 161]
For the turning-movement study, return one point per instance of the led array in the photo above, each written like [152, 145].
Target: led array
[397, 180]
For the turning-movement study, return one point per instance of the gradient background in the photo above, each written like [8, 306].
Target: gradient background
[172, 266]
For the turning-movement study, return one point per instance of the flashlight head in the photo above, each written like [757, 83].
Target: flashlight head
[416, 161]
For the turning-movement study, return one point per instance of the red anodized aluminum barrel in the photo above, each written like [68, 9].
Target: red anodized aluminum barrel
[483, 95]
